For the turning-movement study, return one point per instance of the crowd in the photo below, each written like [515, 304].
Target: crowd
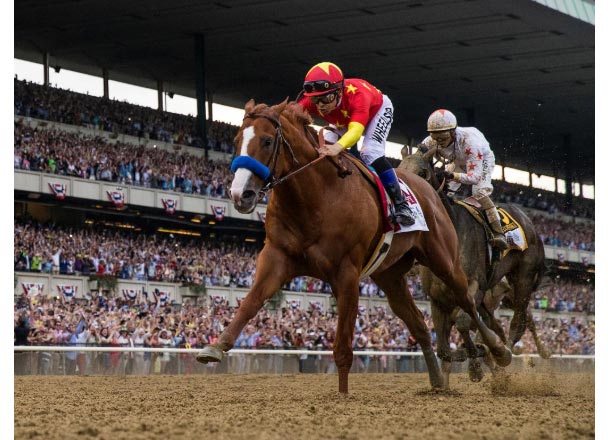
[94, 158]
[548, 201]
[128, 164]
[71, 154]
[106, 321]
[131, 255]
[565, 296]
[55, 249]
[54, 104]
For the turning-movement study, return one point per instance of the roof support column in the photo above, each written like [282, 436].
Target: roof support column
[45, 66]
[210, 106]
[199, 69]
[567, 157]
[106, 83]
[160, 88]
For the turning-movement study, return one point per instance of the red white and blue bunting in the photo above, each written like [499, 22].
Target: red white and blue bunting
[58, 189]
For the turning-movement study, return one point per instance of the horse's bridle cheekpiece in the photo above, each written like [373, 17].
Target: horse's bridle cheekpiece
[266, 172]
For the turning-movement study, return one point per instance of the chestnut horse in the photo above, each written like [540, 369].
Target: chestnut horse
[326, 226]
[523, 271]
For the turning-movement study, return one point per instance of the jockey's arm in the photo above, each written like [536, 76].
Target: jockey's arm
[352, 135]
[473, 168]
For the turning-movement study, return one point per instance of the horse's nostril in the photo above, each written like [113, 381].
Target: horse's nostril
[247, 195]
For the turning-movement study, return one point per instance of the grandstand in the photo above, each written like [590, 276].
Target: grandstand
[90, 171]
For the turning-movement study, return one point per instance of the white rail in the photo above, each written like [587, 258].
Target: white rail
[63, 348]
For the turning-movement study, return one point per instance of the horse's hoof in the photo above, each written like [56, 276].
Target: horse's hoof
[209, 354]
[517, 350]
[475, 371]
[505, 359]
[545, 354]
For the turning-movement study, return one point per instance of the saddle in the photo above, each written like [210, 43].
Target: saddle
[514, 233]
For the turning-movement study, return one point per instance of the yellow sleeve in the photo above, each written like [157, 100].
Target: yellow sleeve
[352, 135]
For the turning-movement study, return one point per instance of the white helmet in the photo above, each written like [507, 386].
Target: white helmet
[441, 120]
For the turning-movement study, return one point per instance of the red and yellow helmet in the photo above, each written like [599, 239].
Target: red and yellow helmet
[323, 78]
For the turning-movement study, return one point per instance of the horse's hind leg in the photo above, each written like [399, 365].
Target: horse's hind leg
[451, 273]
[272, 272]
[392, 282]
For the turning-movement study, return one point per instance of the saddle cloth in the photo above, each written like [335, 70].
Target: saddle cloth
[384, 244]
[514, 233]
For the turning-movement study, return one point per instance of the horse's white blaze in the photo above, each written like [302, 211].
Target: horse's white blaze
[242, 175]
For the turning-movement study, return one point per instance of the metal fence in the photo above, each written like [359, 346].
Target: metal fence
[55, 360]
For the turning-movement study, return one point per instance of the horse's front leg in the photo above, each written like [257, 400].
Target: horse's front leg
[272, 272]
[346, 290]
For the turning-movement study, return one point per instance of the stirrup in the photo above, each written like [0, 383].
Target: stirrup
[405, 217]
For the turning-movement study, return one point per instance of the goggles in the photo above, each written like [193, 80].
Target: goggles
[317, 86]
[325, 99]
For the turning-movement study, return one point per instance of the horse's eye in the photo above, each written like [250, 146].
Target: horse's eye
[266, 142]
[422, 174]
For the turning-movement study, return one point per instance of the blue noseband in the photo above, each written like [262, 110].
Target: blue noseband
[249, 163]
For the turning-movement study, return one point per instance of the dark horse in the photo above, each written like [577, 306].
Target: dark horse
[325, 226]
[523, 271]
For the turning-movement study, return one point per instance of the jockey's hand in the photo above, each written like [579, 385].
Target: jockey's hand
[331, 149]
[447, 175]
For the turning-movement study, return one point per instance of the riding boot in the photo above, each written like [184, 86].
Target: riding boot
[403, 213]
[498, 240]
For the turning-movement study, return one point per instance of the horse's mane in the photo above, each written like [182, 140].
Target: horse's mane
[296, 113]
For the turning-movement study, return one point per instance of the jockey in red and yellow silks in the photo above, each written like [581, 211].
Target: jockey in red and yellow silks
[355, 109]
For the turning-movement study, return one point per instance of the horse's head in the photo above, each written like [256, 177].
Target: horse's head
[420, 163]
[258, 143]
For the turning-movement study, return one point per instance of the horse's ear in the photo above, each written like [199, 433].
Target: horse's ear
[428, 155]
[405, 151]
[249, 105]
[278, 109]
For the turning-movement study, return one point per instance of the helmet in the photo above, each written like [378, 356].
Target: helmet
[441, 120]
[323, 78]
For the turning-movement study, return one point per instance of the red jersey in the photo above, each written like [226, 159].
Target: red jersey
[360, 103]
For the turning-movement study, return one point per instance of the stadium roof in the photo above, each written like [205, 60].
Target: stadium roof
[520, 71]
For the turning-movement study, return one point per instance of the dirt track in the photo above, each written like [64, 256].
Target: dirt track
[302, 407]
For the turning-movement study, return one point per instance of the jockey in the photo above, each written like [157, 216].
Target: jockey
[469, 160]
[355, 108]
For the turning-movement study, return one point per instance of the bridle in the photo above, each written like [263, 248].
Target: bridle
[267, 172]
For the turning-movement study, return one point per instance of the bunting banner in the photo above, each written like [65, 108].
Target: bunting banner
[59, 189]
[262, 216]
[561, 257]
[170, 205]
[162, 297]
[218, 212]
[117, 197]
[218, 299]
[316, 305]
[585, 261]
[32, 288]
[295, 304]
[130, 294]
[67, 291]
